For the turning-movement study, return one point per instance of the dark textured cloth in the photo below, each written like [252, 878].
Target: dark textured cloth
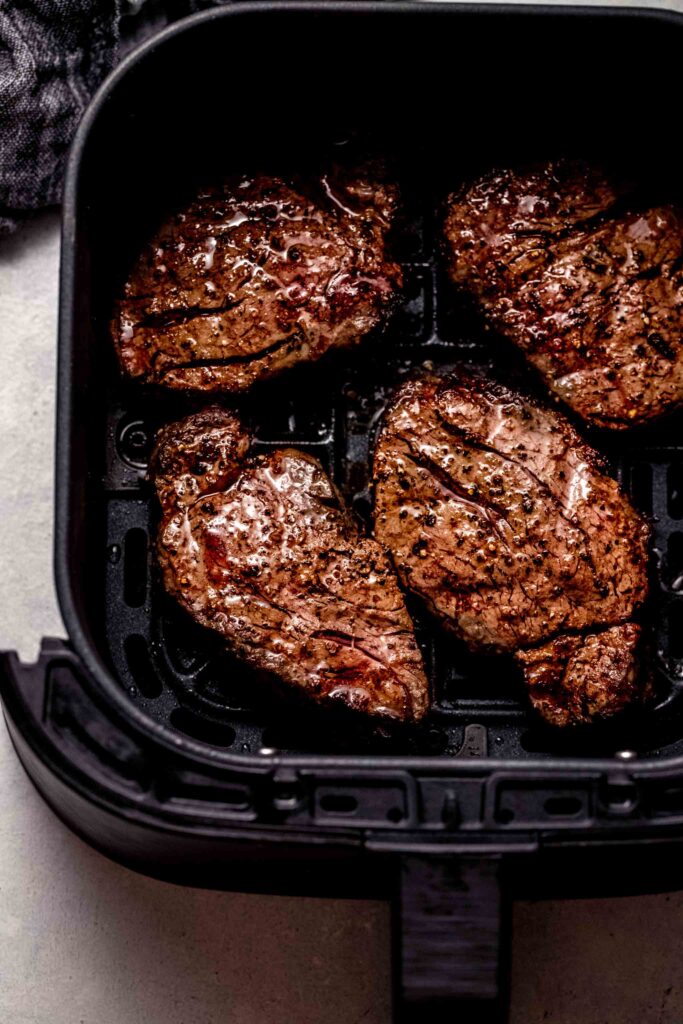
[53, 55]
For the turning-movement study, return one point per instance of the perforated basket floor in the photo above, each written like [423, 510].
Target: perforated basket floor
[179, 673]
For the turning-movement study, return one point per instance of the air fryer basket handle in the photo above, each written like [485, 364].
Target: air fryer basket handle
[451, 941]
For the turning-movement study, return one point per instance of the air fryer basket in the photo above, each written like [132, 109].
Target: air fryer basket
[142, 732]
[165, 127]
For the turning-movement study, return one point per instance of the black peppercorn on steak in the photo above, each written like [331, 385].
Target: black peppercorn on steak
[257, 275]
[505, 522]
[584, 277]
[262, 550]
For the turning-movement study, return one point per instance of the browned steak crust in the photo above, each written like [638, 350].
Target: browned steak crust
[502, 518]
[584, 279]
[264, 552]
[255, 276]
[576, 679]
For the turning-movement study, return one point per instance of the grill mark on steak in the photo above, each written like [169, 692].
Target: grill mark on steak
[595, 303]
[262, 550]
[170, 317]
[573, 571]
[491, 514]
[250, 261]
[630, 202]
[477, 445]
[247, 357]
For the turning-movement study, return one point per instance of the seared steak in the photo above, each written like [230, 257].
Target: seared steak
[264, 552]
[577, 678]
[255, 276]
[584, 278]
[505, 522]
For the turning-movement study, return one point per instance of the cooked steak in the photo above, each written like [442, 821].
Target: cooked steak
[577, 678]
[584, 278]
[505, 522]
[263, 551]
[255, 276]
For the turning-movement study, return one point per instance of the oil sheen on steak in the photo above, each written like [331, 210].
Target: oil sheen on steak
[505, 522]
[255, 276]
[263, 551]
[584, 278]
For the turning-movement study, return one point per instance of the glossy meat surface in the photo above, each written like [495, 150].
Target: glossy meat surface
[264, 552]
[584, 277]
[501, 518]
[576, 679]
[255, 276]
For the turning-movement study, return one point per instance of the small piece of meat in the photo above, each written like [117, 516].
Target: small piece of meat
[584, 278]
[264, 552]
[501, 518]
[257, 275]
[576, 679]
[196, 455]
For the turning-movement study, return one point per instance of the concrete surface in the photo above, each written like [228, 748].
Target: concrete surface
[84, 941]
[28, 326]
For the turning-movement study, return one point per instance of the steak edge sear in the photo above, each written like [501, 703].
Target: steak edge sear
[263, 551]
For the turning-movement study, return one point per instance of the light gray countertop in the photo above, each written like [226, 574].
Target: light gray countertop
[84, 941]
[29, 264]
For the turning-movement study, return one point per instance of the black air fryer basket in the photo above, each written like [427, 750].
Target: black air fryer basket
[140, 732]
